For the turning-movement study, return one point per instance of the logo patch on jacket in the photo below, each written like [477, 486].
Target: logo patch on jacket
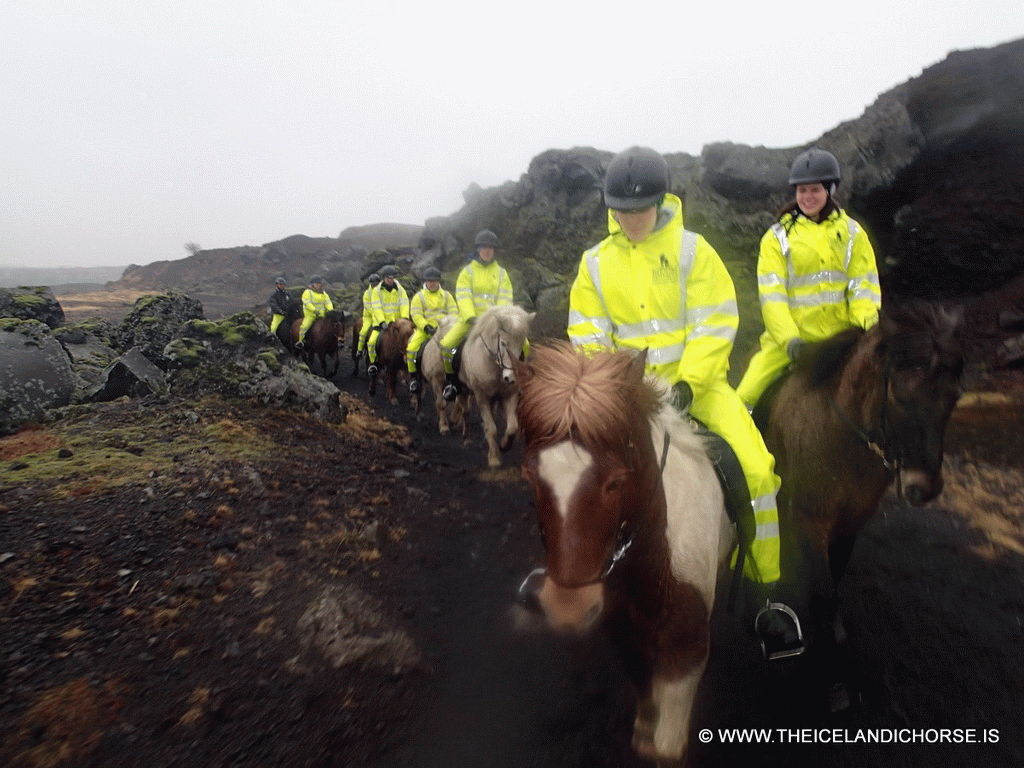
[665, 272]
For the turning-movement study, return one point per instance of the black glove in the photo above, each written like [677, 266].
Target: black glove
[682, 396]
[471, 320]
[795, 349]
[429, 330]
[383, 326]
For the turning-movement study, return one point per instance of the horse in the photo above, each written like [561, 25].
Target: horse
[325, 337]
[633, 522]
[492, 345]
[858, 412]
[392, 344]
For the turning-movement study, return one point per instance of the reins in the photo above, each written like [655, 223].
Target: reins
[891, 464]
[623, 546]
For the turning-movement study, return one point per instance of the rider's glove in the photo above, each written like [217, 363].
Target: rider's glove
[429, 330]
[682, 396]
[795, 348]
[471, 320]
[383, 326]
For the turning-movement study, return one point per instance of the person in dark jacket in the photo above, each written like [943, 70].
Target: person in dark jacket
[279, 301]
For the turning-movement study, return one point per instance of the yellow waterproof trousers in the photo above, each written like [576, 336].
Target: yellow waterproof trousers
[765, 366]
[721, 409]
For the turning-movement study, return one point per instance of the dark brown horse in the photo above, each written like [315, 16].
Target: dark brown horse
[325, 338]
[392, 344]
[633, 522]
[859, 411]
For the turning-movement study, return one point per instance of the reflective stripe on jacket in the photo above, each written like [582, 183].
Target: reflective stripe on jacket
[316, 304]
[815, 279]
[481, 286]
[671, 294]
[428, 307]
[389, 305]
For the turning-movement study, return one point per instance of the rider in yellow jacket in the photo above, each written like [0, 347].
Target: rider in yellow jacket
[315, 303]
[816, 273]
[482, 284]
[388, 303]
[367, 322]
[651, 284]
[427, 308]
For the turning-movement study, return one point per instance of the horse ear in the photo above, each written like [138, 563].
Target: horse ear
[637, 366]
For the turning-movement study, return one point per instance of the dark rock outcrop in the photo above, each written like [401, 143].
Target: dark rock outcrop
[31, 303]
[154, 320]
[36, 373]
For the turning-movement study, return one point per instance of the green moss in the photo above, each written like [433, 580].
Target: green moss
[31, 300]
[270, 359]
[113, 445]
[186, 352]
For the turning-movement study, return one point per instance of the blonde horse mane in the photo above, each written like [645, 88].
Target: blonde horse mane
[508, 317]
[590, 399]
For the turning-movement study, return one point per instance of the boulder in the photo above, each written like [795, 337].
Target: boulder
[36, 373]
[88, 344]
[238, 357]
[31, 303]
[154, 320]
[131, 375]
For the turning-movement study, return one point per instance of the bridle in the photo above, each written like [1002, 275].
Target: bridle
[496, 353]
[624, 538]
[891, 461]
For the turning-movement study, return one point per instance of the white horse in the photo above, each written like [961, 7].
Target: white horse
[495, 340]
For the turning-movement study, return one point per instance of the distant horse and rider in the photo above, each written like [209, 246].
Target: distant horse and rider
[486, 375]
[391, 345]
[325, 338]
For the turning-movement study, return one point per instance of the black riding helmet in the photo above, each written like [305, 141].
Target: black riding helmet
[431, 273]
[816, 165]
[389, 270]
[280, 281]
[636, 179]
[485, 237]
[373, 279]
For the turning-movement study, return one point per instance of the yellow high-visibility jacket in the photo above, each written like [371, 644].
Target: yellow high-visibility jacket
[316, 304]
[389, 305]
[815, 280]
[481, 286]
[428, 307]
[671, 294]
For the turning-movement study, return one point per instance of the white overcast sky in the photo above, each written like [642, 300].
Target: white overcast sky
[131, 128]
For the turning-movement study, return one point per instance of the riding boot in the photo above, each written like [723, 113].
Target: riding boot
[778, 628]
[451, 387]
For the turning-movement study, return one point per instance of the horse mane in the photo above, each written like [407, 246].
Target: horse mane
[589, 399]
[508, 317]
[822, 362]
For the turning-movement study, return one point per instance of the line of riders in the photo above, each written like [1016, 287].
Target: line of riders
[651, 284]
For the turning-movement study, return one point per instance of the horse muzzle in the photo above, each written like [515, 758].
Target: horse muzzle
[919, 486]
[573, 610]
[508, 376]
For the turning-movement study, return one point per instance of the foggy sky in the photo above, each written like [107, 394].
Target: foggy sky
[130, 129]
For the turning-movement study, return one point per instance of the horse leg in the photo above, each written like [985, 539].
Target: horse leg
[511, 421]
[392, 380]
[373, 383]
[490, 433]
[830, 656]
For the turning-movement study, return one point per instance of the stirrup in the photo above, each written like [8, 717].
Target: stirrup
[778, 642]
[414, 385]
[372, 370]
[300, 344]
[449, 392]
